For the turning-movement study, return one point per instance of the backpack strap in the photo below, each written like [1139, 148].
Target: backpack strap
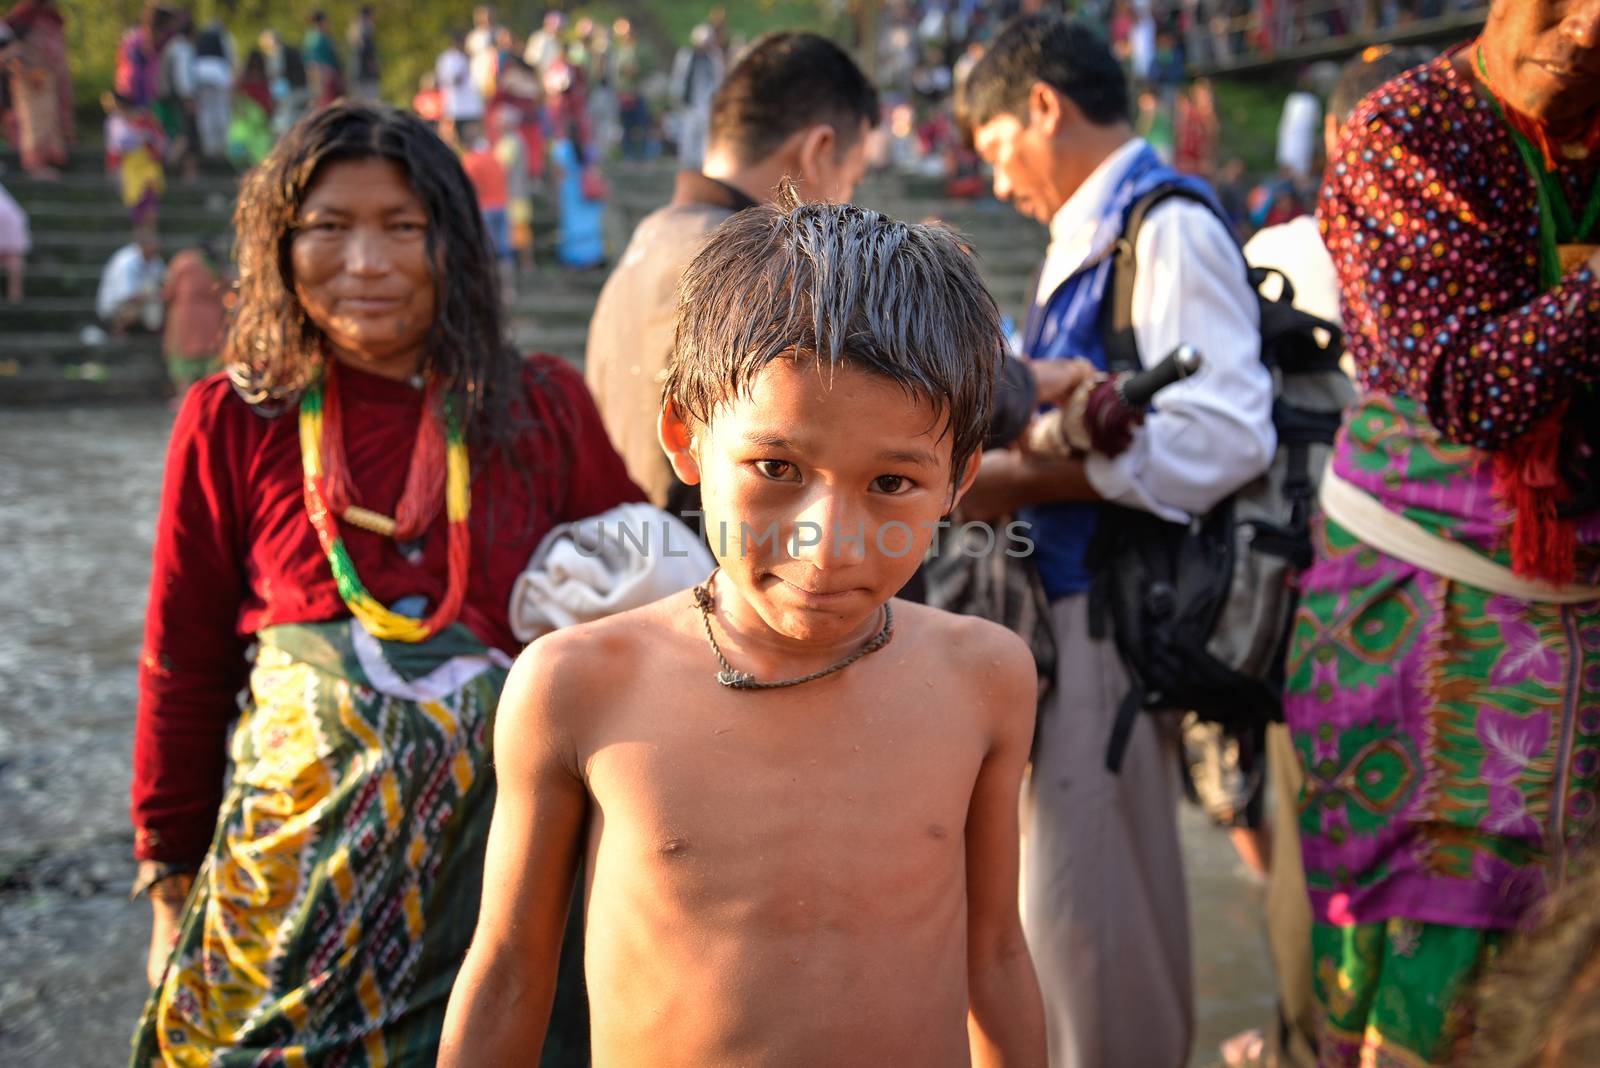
[1122, 344]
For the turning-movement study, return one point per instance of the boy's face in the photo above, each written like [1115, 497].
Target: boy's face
[820, 497]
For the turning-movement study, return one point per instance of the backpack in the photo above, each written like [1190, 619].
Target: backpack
[1201, 612]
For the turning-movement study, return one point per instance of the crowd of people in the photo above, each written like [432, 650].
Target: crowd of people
[380, 817]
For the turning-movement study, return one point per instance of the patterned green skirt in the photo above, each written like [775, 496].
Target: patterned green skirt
[1391, 992]
[341, 889]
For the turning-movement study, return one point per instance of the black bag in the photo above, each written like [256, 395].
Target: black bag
[969, 575]
[1201, 612]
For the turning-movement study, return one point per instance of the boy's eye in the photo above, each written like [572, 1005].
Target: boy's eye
[891, 484]
[778, 470]
[409, 227]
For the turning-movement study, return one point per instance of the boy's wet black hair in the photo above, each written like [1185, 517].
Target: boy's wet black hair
[840, 285]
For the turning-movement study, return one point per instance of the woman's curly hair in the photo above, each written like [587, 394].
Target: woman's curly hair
[274, 351]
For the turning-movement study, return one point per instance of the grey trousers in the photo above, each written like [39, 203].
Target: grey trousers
[1104, 902]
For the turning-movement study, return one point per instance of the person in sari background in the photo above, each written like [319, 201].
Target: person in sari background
[33, 53]
[344, 513]
[250, 132]
[192, 327]
[136, 148]
[15, 243]
[1444, 670]
[581, 197]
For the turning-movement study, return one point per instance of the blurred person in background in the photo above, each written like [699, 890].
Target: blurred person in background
[250, 132]
[213, 88]
[129, 295]
[15, 243]
[795, 105]
[33, 46]
[191, 339]
[136, 148]
[175, 103]
[696, 73]
[361, 46]
[324, 76]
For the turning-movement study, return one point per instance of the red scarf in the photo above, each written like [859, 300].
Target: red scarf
[424, 492]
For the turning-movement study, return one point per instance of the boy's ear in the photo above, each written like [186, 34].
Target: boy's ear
[969, 474]
[677, 441]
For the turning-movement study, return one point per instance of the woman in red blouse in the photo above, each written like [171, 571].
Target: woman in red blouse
[344, 513]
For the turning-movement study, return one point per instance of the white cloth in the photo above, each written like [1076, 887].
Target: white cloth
[462, 101]
[1298, 131]
[438, 684]
[1295, 248]
[212, 72]
[620, 559]
[127, 274]
[1209, 434]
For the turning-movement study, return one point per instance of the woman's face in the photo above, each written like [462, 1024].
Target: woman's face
[360, 262]
[1544, 58]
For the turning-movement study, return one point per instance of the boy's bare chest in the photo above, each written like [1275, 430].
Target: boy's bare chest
[752, 792]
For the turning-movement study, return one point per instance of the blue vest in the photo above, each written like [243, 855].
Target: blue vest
[1068, 325]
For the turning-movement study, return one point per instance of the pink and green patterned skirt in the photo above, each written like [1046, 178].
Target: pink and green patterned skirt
[1451, 741]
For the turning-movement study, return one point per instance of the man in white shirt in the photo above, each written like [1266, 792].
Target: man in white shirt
[1104, 901]
[462, 101]
[130, 285]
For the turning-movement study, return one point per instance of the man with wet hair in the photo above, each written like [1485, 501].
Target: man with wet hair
[795, 796]
[794, 106]
[1105, 907]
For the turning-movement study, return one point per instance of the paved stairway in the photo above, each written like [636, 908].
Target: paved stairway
[78, 221]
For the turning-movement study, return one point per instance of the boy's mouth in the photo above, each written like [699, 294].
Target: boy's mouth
[822, 596]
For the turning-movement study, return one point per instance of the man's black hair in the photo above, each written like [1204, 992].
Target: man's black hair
[1063, 53]
[786, 82]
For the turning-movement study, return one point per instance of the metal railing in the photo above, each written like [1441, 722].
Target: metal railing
[1238, 37]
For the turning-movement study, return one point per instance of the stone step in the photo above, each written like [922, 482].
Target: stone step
[48, 346]
[40, 368]
[202, 214]
[98, 186]
[565, 341]
[106, 385]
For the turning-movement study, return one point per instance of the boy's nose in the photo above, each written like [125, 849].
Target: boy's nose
[828, 534]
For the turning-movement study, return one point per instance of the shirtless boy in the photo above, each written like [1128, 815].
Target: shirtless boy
[822, 873]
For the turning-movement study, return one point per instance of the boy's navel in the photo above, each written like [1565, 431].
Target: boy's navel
[675, 847]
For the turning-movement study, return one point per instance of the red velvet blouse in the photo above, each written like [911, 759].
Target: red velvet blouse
[235, 552]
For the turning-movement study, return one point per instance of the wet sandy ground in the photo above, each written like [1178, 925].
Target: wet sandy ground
[78, 492]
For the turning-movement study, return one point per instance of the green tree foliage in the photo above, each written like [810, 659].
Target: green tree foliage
[411, 33]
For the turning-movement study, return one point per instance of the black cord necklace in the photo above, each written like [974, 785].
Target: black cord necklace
[734, 679]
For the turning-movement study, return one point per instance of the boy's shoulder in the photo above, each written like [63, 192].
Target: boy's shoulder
[604, 654]
[965, 643]
[566, 682]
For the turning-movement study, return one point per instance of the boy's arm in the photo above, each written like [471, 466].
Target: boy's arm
[1005, 1017]
[500, 1006]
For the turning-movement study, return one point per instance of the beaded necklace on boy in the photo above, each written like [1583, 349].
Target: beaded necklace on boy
[734, 679]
